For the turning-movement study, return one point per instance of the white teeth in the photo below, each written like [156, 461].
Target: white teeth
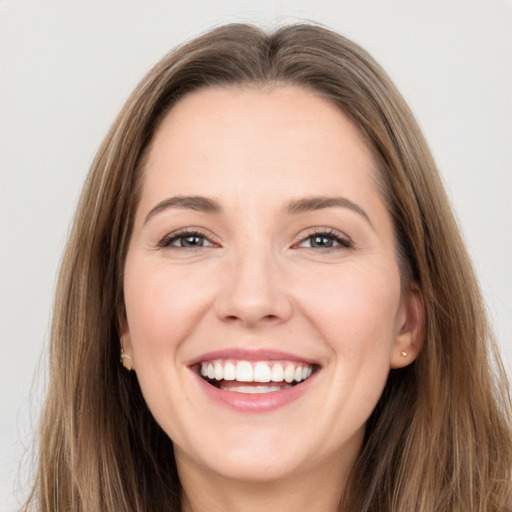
[289, 373]
[260, 371]
[277, 373]
[255, 389]
[244, 372]
[229, 371]
[219, 371]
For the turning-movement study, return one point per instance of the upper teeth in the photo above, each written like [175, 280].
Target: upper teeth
[260, 371]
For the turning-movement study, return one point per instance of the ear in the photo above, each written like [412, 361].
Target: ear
[126, 344]
[409, 340]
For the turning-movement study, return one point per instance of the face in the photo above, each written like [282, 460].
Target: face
[264, 307]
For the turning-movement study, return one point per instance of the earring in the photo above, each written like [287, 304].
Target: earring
[123, 357]
[403, 354]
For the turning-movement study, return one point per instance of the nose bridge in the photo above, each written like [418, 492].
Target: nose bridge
[253, 289]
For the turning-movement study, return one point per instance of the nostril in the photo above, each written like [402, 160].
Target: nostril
[252, 320]
[251, 296]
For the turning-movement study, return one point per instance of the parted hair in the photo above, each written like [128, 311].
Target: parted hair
[440, 437]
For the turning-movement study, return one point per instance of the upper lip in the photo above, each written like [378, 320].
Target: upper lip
[244, 354]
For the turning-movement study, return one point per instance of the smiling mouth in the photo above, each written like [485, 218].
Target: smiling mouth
[254, 377]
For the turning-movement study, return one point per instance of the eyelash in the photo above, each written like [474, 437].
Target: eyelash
[186, 233]
[342, 241]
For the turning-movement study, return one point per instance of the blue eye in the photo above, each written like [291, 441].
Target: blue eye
[187, 240]
[325, 240]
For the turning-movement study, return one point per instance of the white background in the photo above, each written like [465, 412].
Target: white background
[67, 67]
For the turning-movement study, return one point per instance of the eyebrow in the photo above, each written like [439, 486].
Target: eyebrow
[310, 204]
[293, 207]
[197, 203]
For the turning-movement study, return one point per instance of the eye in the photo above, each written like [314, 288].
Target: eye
[186, 240]
[325, 240]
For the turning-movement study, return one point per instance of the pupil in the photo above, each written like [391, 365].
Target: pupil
[191, 241]
[322, 241]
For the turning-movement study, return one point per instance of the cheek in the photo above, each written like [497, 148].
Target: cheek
[355, 308]
[162, 307]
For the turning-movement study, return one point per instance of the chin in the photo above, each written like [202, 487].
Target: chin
[247, 456]
[255, 469]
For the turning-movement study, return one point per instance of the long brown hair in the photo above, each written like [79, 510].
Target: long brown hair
[440, 437]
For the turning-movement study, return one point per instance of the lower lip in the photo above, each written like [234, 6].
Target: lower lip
[258, 402]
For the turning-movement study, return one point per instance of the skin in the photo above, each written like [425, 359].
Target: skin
[258, 283]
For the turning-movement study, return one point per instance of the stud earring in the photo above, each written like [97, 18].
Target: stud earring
[123, 357]
[403, 354]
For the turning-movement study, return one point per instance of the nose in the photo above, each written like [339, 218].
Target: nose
[253, 292]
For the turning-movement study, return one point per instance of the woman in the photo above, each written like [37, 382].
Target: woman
[265, 237]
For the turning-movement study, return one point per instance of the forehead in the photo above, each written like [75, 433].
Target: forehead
[254, 136]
